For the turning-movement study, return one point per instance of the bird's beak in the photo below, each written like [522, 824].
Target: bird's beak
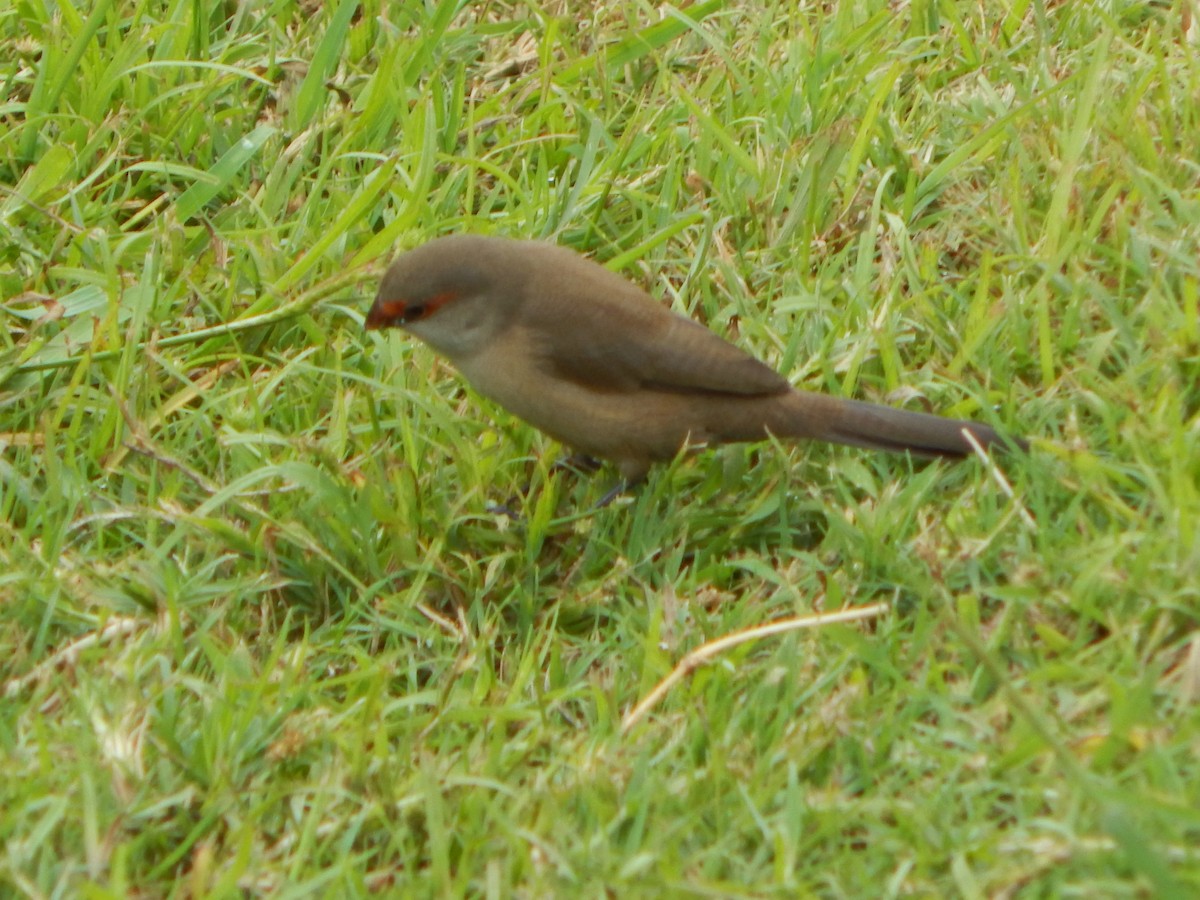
[384, 313]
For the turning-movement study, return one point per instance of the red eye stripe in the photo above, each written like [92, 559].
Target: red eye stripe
[437, 301]
[415, 312]
[387, 313]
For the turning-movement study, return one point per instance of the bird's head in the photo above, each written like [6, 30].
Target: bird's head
[453, 292]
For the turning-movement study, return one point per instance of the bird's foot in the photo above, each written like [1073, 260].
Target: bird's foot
[503, 509]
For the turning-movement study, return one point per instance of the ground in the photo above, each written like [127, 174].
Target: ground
[265, 627]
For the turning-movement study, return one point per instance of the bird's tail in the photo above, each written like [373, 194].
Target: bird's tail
[858, 424]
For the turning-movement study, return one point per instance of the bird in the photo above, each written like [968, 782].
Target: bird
[596, 363]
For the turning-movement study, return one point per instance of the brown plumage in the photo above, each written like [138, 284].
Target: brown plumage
[596, 363]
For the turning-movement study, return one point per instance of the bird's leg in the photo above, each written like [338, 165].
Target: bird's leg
[613, 493]
[633, 472]
[580, 463]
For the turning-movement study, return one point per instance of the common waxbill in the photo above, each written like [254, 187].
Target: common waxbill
[596, 363]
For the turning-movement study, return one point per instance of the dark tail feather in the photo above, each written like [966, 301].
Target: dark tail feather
[898, 430]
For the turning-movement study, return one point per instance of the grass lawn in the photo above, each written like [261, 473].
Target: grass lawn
[262, 630]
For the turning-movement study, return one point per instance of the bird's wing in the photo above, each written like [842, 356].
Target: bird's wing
[683, 356]
[614, 337]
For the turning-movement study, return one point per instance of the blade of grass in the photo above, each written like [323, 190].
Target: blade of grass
[54, 77]
[222, 173]
[636, 46]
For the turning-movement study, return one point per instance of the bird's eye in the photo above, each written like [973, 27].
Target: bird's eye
[414, 312]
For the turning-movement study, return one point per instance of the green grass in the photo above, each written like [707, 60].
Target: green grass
[260, 629]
